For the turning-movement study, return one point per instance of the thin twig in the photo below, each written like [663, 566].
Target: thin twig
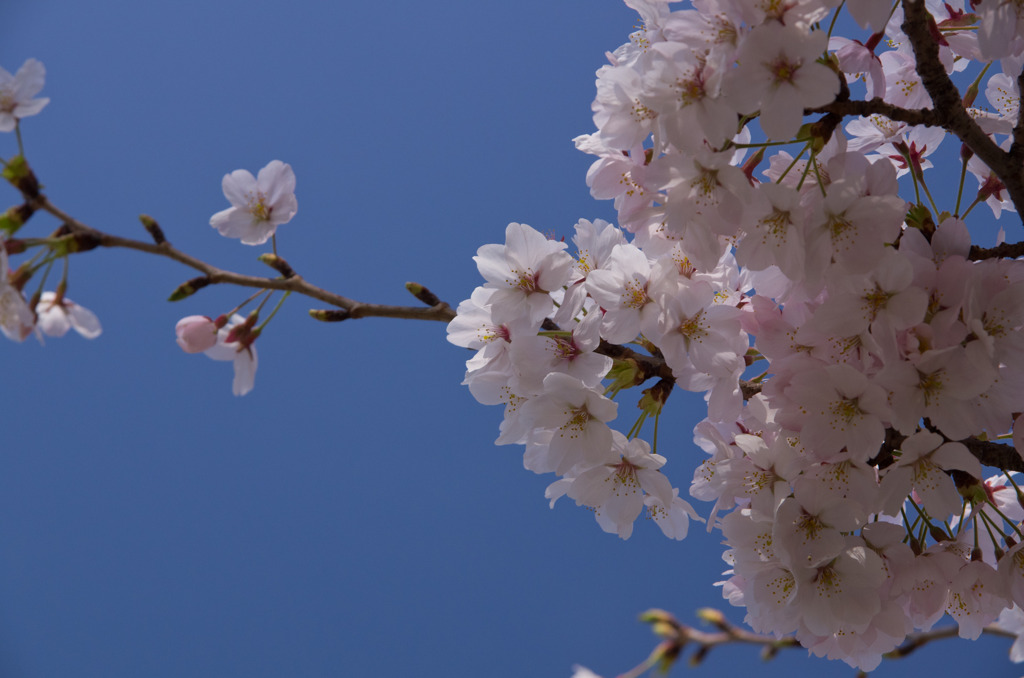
[676, 636]
[356, 309]
[949, 108]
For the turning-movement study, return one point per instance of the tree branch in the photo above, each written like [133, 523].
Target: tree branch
[949, 108]
[676, 636]
[876, 106]
[997, 455]
[440, 311]
[1004, 251]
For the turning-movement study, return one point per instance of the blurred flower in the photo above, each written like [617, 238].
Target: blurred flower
[234, 342]
[57, 316]
[16, 92]
[196, 333]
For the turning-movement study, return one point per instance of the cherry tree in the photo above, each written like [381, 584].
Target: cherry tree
[785, 248]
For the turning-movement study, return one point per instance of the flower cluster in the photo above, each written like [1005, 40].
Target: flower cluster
[549, 377]
[857, 354]
[43, 313]
[852, 507]
[259, 205]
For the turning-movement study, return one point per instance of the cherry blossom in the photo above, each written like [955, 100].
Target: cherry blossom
[235, 343]
[853, 348]
[55, 316]
[921, 466]
[617, 489]
[196, 333]
[778, 75]
[16, 318]
[17, 92]
[258, 204]
[523, 271]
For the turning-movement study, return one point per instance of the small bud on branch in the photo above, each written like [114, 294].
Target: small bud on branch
[329, 315]
[15, 217]
[21, 177]
[422, 293]
[278, 264]
[153, 228]
[189, 287]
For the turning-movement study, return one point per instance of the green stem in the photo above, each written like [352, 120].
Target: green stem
[989, 524]
[633, 432]
[924, 185]
[42, 281]
[817, 175]
[803, 175]
[835, 16]
[270, 317]
[793, 164]
[960, 188]
[970, 207]
[245, 303]
[654, 439]
[1007, 520]
[17, 133]
[762, 144]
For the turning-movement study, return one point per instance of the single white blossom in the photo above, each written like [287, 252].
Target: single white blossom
[17, 92]
[57, 316]
[259, 204]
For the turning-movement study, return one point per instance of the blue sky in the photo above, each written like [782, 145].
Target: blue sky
[351, 516]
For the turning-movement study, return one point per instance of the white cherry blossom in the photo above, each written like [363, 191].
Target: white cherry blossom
[241, 354]
[523, 272]
[56, 316]
[17, 93]
[258, 204]
[778, 75]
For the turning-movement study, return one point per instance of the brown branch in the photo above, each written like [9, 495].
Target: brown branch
[648, 366]
[949, 108]
[651, 367]
[441, 311]
[997, 455]
[1017, 147]
[750, 388]
[876, 106]
[676, 636]
[1004, 251]
[1002, 456]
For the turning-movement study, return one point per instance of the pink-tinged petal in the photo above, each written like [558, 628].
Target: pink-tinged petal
[492, 265]
[245, 371]
[276, 181]
[259, 232]
[232, 222]
[223, 352]
[237, 223]
[957, 456]
[283, 209]
[937, 491]
[24, 110]
[84, 321]
[781, 114]
[239, 187]
[29, 79]
[52, 321]
[553, 271]
[196, 334]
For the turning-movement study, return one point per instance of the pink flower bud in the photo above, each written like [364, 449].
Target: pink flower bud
[196, 333]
